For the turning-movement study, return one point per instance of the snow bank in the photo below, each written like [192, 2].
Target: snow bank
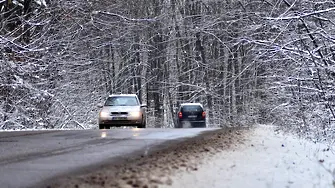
[267, 159]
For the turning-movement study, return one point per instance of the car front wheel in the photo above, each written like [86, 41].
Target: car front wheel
[143, 124]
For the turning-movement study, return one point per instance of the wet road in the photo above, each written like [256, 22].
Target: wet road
[31, 157]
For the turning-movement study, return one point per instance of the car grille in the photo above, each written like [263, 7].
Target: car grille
[119, 113]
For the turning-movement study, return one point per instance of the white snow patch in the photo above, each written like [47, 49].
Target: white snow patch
[267, 159]
[37, 129]
[41, 2]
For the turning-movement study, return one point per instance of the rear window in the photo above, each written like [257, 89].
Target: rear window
[122, 101]
[192, 108]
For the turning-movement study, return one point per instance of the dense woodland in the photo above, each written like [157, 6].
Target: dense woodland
[247, 61]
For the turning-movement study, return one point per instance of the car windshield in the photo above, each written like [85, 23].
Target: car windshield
[191, 108]
[122, 101]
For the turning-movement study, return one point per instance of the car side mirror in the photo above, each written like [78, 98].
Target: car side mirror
[99, 105]
[144, 105]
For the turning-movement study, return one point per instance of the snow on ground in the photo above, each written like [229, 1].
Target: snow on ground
[267, 159]
[39, 129]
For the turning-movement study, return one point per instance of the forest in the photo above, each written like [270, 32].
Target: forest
[247, 61]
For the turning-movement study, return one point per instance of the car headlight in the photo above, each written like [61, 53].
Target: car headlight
[135, 114]
[104, 114]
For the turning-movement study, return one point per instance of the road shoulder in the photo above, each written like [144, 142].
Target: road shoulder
[267, 158]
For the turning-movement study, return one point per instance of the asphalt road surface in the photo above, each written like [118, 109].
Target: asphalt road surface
[28, 158]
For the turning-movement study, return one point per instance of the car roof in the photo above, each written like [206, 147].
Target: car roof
[119, 95]
[191, 104]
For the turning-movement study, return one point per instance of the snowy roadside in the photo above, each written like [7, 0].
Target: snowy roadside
[265, 159]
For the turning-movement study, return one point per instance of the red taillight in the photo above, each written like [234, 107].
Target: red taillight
[203, 114]
[180, 115]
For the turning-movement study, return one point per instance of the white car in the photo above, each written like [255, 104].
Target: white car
[122, 110]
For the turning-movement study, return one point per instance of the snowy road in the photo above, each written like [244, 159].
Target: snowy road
[230, 157]
[28, 158]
